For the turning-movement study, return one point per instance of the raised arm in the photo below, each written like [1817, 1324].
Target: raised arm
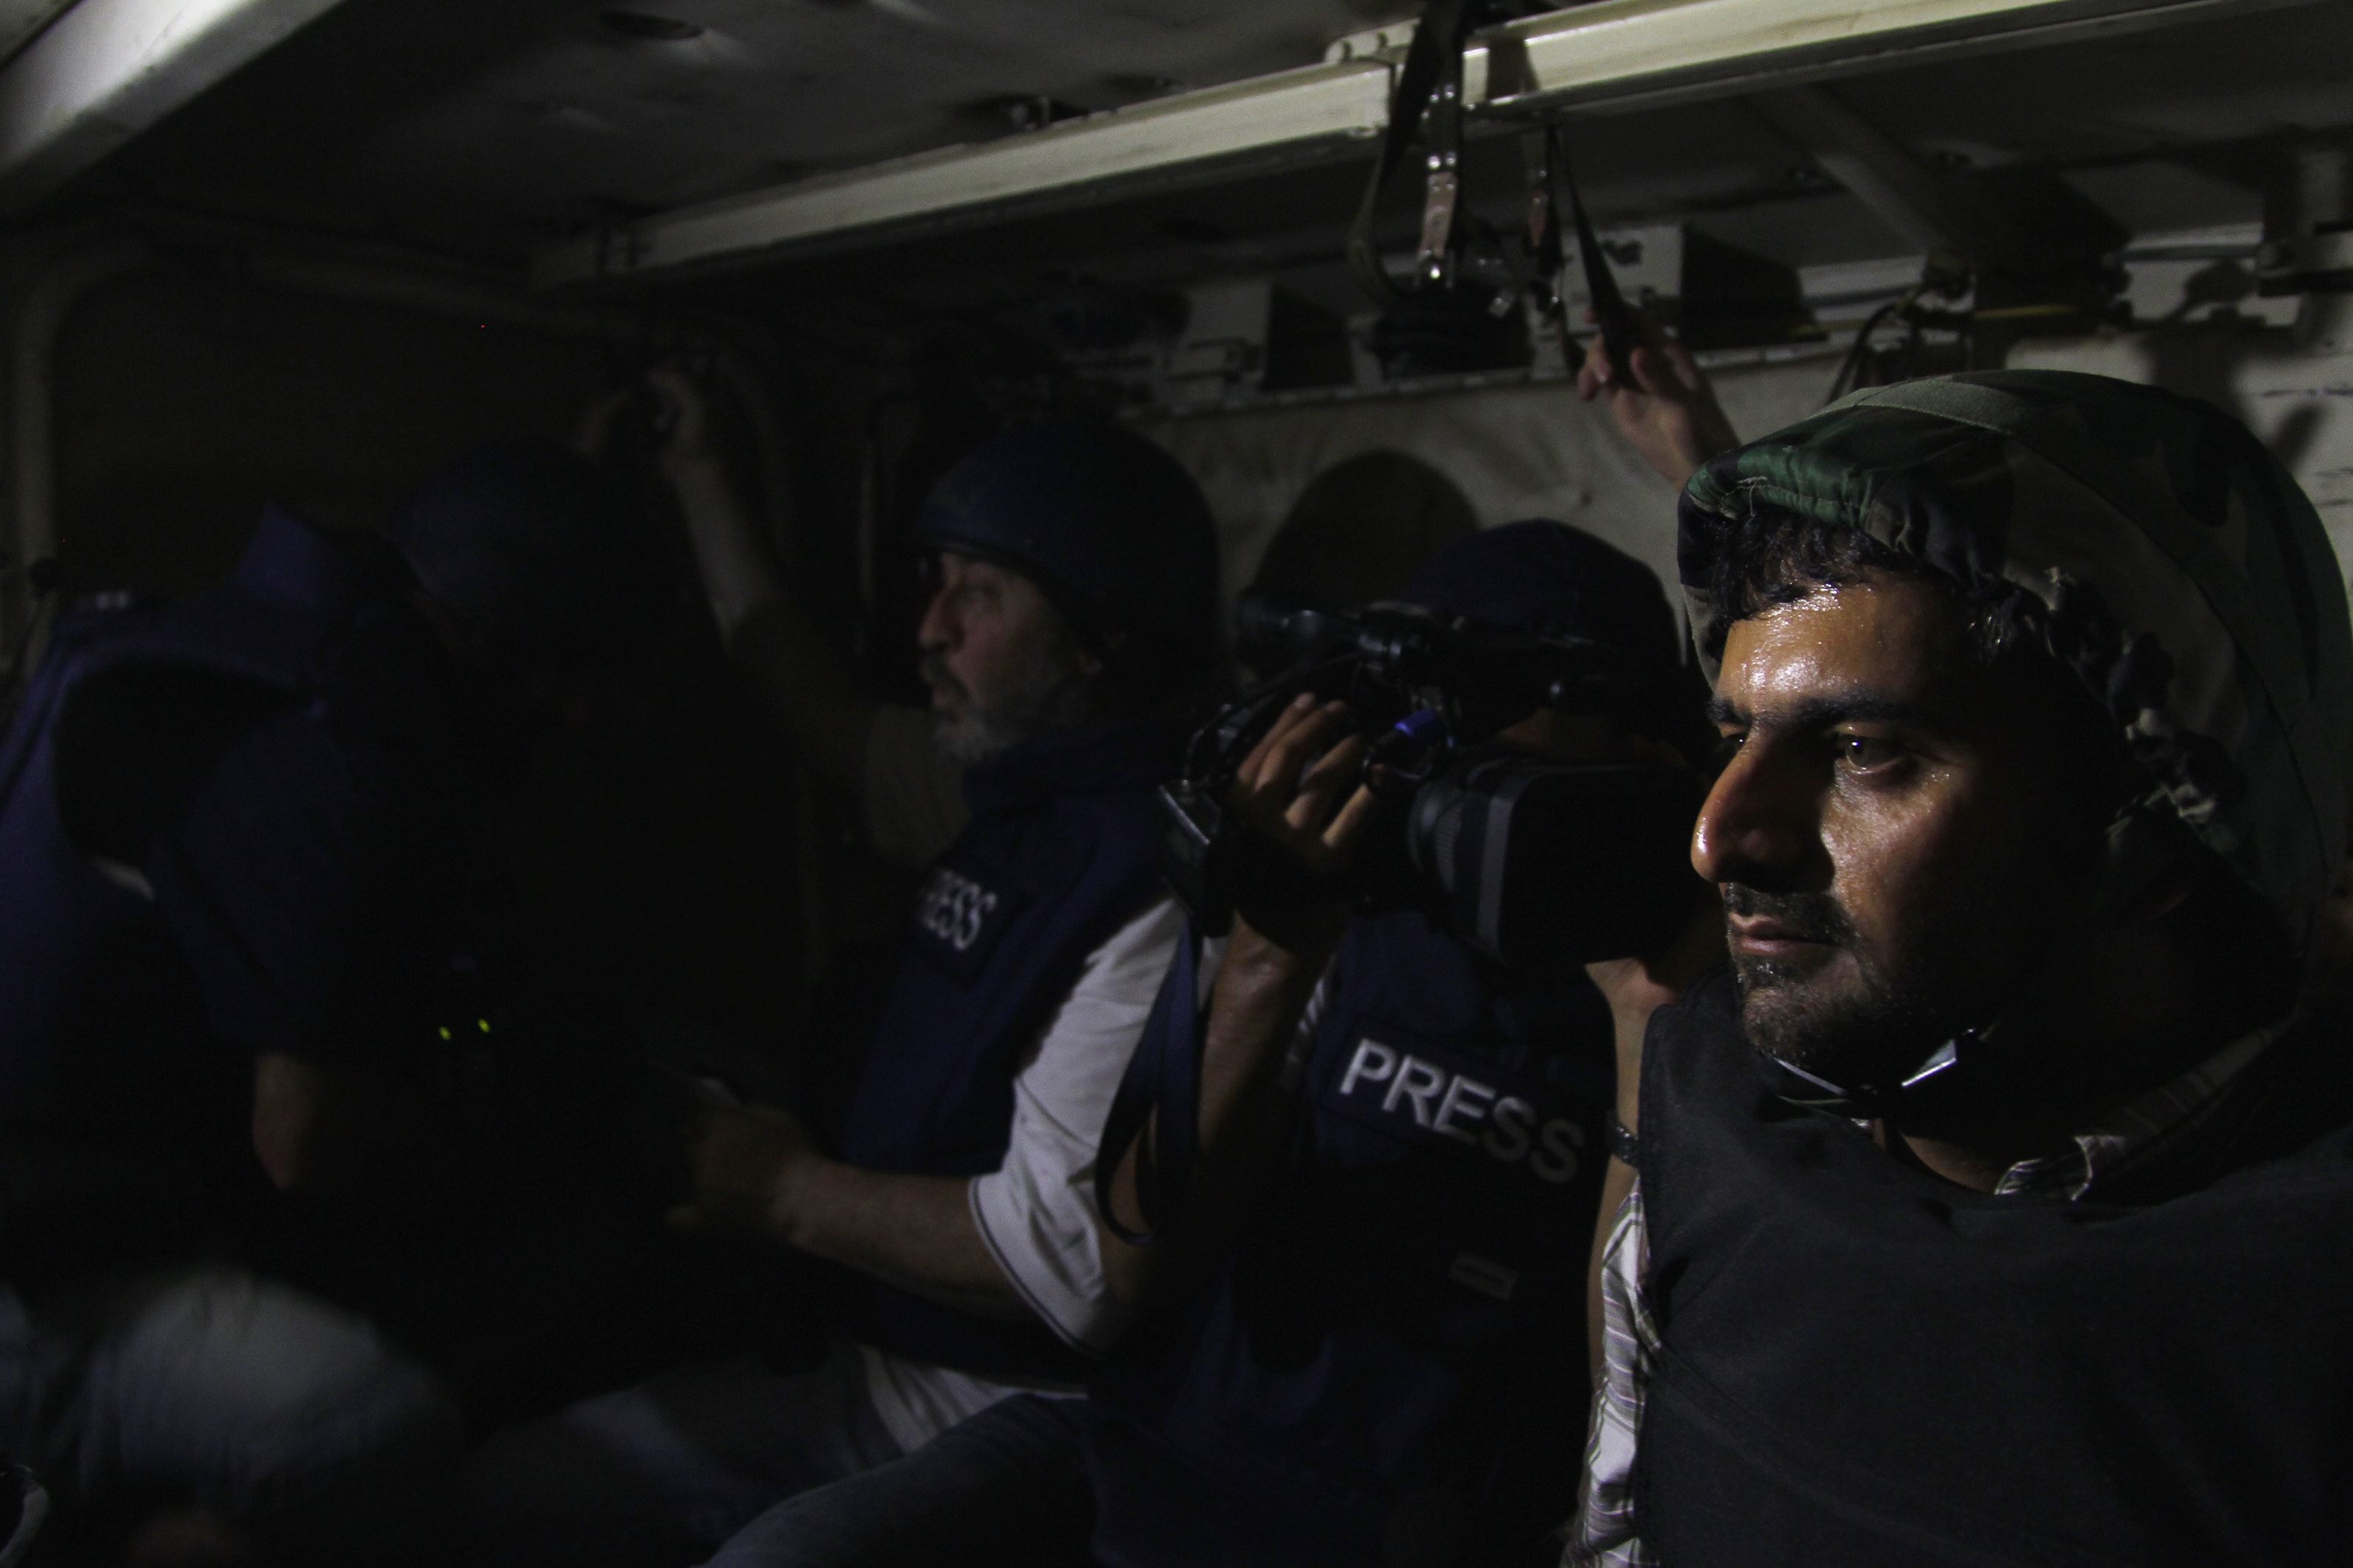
[763, 622]
[1261, 993]
[1663, 405]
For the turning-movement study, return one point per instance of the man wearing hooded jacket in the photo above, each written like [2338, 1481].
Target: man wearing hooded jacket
[1992, 1210]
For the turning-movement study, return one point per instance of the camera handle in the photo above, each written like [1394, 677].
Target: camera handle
[1163, 1077]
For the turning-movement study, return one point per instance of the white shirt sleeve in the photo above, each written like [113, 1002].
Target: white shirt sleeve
[914, 791]
[1037, 1212]
[1605, 1533]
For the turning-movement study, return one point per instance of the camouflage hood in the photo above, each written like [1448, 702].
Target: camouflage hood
[2148, 541]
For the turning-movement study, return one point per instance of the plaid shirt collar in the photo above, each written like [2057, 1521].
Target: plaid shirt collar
[2143, 1129]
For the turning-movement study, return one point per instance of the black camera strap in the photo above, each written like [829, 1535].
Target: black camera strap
[1157, 1111]
[1428, 86]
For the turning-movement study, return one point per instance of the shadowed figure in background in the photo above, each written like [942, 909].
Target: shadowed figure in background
[237, 843]
[1361, 529]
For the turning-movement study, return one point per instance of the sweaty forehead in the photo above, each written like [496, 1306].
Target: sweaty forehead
[1878, 641]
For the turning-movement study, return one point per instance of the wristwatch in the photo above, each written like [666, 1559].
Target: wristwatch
[1623, 1144]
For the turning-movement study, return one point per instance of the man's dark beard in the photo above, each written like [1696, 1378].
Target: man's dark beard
[1882, 1030]
[1048, 694]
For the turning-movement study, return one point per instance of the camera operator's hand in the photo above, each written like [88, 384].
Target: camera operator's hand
[1663, 402]
[1296, 791]
[745, 1161]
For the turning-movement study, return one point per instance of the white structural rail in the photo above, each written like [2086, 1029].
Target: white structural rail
[1252, 124]
[21, 21]
[106, 70]
[1607, 56]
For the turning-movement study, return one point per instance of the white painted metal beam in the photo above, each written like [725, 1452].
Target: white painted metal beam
[1295, 113]
[1624, 53]
[1608, 55]
[1892, 181]
[106, 70]
[21, 21]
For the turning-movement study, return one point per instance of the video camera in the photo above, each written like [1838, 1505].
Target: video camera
[1531, 859]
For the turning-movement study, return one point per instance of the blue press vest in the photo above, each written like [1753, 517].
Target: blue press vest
[1396, 1306]
[1061, 850]
[112, 1007]
[275, 622]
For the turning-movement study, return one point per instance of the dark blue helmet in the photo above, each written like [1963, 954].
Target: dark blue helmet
[530, 544]
[1111, 527]
[1553, 580]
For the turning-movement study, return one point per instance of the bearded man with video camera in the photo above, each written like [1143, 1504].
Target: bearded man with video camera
[1993, 1209]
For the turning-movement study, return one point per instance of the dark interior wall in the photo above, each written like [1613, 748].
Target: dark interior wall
[185, 401]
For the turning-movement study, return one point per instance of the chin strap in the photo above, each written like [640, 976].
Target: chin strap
[2144, 850]
[1941, 1070]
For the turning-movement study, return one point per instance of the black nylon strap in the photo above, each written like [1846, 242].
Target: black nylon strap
[1433, 61]
[1157, 1111]
[1442, 161]
[1610, 312]
[1544, 253]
